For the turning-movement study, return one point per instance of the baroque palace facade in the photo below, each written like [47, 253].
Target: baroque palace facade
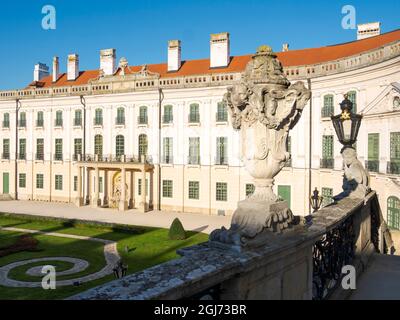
[159, 136]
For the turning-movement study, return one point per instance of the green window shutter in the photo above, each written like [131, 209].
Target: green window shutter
[395, 146]
[194, 190]
[58, 149]
[328, 108]
[352, 95]
[98, 144]
[167, 149]
[327, 147]
[284, 192]
[142, 145]
[249, 189]
[22, 180]
[221, 193]
[77, 146]
[75, 183]
[6, 148]
[393, 212]
[373, 146]
[327, 194]
[58, 182]
[119, 145]
[39, 149]
[167, 189]
[39, 181]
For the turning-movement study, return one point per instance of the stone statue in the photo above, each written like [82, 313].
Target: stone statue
[264, 106]
[356, 180]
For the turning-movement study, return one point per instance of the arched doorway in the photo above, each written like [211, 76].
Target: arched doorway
[393, 212]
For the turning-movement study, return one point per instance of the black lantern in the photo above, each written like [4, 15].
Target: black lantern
[347, 124]
[316, 200]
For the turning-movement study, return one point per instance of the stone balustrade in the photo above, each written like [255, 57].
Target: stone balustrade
[301, 263]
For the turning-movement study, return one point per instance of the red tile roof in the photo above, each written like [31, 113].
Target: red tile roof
[238, 63]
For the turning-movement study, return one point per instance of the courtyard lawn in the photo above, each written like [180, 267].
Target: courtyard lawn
[139, 247]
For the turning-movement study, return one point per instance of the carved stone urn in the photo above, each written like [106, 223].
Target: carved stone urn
[264, 106]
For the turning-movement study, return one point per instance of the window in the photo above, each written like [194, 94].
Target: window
[221, 193]
[167, 150]
[194, 115]
[393, 212]
[101, 184]
[140, 187]
[119, 145]
[40, 119]
[58, 155]
[59, 119]
[75, 183]
[352, 95]
[167, 188]
[373, 152]
[120, 120]
[78, 118]
[222, 148]
[77, 148]
[327, 152]
[98, 117]
[39, 181]
[22, 120]
[194, 150]
[249, 189]
[22, 180]
[284, 192]
[142, 115]
[394, 164]
[22, 149]
[168, 114]
[328, 108]
[58, 182]
[396, 102]
[98, 144]
[327, 194]
[6, 149]
[40, 149]
[6, 120]
[222, 112]
[142, 146]
[194, 190]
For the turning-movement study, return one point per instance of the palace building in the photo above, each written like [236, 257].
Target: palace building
[158, 137]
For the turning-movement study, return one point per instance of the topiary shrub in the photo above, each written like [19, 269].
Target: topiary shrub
[176, 230]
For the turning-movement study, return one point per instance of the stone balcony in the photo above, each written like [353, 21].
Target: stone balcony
[302, 263]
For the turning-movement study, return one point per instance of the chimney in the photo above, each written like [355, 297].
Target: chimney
[40, 71]
[285, 47]
[174, 55]
[368, 30]
[107, 61]
[219, 50]
[73, 67]
[56, 69]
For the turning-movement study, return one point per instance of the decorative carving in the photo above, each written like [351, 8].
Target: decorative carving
[116, 191]
[356, 180]
[264, 106]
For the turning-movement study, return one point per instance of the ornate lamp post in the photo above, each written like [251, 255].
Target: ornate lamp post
[347, 124]
[316, 200]
[356, 179]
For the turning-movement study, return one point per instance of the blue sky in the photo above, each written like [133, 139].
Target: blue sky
[140, 29]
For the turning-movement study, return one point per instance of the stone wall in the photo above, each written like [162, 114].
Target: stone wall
[282, 268]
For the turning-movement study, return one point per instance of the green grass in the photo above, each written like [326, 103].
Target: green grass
[147, 247]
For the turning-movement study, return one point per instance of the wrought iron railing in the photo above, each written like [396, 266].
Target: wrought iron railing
[22, 123]
[119, 121]
[167, 118]
[393, 167]
[335, 250]
[327, 163]
[372, 165]
[21, 156]
[115, 158]
[142, 120]
[58, 123]
[6, 124]
[5, 156]
[221, 160]
[58, 157]
[194, 160]
[39, 156]
[167, 159]
[39, 123]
